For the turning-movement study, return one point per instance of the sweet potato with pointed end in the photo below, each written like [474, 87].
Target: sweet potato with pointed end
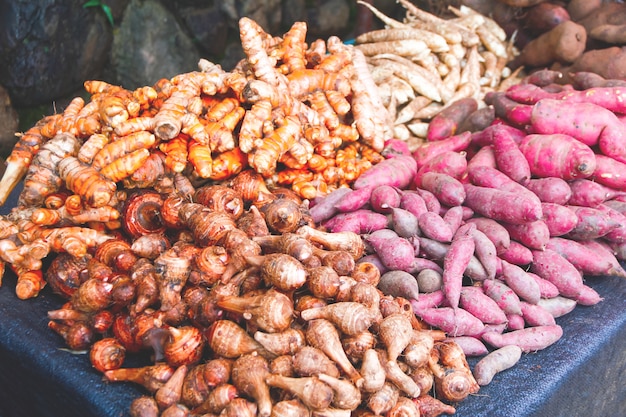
[494, 231]
[497, 361]
[529, 339]
[558, 155]
[354, 200]
[324, 208]
[428, 150]
[384, 198]
[558, 306]
[358, 221]
[592, 223]
[588, 296]
[509, 159]
[451, 163]
[478, 120]
[587, 261]
[610, 172]
[474, 300]
[514, 113]
[399, 284]
[433, 226]
[502, 205]
[533, 235]
[503, 295]
[453, 321]
[559, 219]
[521, 282]
[446, 188]
[590, 193]
[609, 62]
[396, 172]
[564, 43]
[517, 254]
[486, 252]
[432, 202]
[546, 288]
[455, 263]
[584, 121]
[404, 223]
[428, 300]
[494, 178]
[548, 264]
[436, 250]
[550, 189]
[446, 122]
[536, 315]
[612, 141]
[515, 322]
[484, 157]
[544, 16]
[413, 202]
[607, 251]
[471, 346]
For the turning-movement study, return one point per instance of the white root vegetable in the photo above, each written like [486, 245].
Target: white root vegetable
[496, 361]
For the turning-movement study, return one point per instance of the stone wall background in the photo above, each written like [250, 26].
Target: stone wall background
[48, 48]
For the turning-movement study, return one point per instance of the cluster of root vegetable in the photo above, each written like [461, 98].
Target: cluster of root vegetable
[491, 234]
[425, 63]
[244, 308]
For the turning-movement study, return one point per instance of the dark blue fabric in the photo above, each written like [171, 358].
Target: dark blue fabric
[583, 374]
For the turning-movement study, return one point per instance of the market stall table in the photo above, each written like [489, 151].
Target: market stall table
[582, 374]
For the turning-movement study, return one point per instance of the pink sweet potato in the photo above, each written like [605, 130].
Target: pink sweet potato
[558, 155]
[541, 78]
[455, 263]
[529, 339]
[521, 282]
[592, 223]
[503, 295]
[485, 156]
[517, 114]
[517, 254]
[583, 80]
[585, 260]
[590, 193]
[502, 205]
[494, 231]
[454, 217]
[550, 189]
[548, 264]
[358, 221]
[584, 121]
[437, 251]
[546, 288]
[610, 172]
[515, 322]
[486, 252]
[509, 159]
[324, 209]
[471, 346]
[428, 150]
[607, 251]
[612, 141]
[413, 202]
[354, 200]
[426, 301]
[558, 306]
[497, 361]
[559, 219]
[446, 122]
[398, 171]
[536, 315]
[430, 199]
[474, 300]
[453, 321]
[446, 188]
[433, 226]
[533, 235]
[588, 296]
[494, 178]
[395, 253]
[384, 198]
[449, 162]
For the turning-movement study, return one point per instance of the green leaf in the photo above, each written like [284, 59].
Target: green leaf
[104, 7]
[107, 11]
[92, 3]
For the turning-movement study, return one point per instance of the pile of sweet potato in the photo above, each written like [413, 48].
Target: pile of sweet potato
[572, 36]
[491, 233]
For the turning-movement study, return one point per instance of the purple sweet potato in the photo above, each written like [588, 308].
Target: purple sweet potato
[550, 189]
[431, 200]
[446, 122]
[529, 339]
[558, 155]
[433, 226]
[399, 284]
[497, 361]
[494, 231]
[455, 263]
[398, 172]
[429, 280]
[324, 208]
[558, 306]
[509, 159]
[483, 138]
[533, 235]
[447, 189]
[383, 198]
[502, 205]
[454, 217]
[517, 254]
[483, 307]
[478, 120]
[485, 156]
[536, 315]
[453, 321]
[404, 223]
[548, 264]
[503, 295]
[521, 282]
[559, 219]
